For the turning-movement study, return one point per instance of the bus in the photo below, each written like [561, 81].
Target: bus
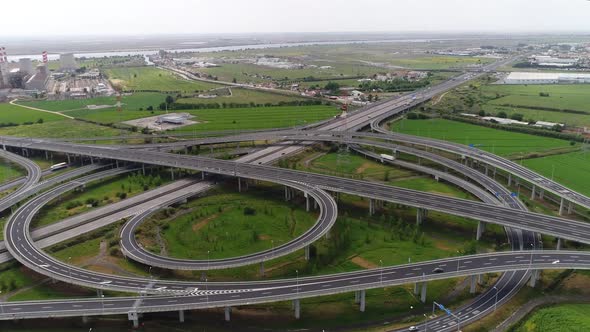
[58, 166]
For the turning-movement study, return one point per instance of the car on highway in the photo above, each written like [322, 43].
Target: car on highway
[413, 328]
[438, 270]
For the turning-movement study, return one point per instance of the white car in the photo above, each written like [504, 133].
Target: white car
[413, 328]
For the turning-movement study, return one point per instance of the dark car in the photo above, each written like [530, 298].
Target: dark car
[438, 270]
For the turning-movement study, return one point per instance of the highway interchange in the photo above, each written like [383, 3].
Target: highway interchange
[174, 295]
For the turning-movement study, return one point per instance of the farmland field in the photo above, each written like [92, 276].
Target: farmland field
[60, 129]
[19, 115]
[500, 142]
[571, 169]
[151, 78]
[244, 96]
[572, 97]
[71, 107]
[533, 115]
[258, 117]
[557, 318]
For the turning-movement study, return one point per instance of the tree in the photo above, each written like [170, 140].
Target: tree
[163, 106]
[333, 87]
[482, 113]
[370, 97]
[502, 115]
[234, 80]
[169, 100]
[517, 116]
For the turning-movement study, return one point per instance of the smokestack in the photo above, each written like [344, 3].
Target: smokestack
[2, 54]
[45, 57]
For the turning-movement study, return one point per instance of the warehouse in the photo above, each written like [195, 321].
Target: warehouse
[546, 78]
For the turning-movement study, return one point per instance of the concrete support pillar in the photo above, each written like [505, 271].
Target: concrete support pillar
[558, 247]
[297, 308]
[85, 319]
[486, 168]
[286, 193]
[570, 208]
[143, 169]
[46, 155]
[371, 207]
[315, 204]
[561, 206]
[99, 293]
[227, 314]
[306, 253]
[473, 284]
[306, 201]
[533, 192]
[416, 289]
[181, 316]
[541, 193]
[362, 299]
[67, 156]
[481, 227]
[91, 160]
[423, 292]
[357, 297]
[494, 174]
[534, 277]
[132, 316]
[420, 215]
[116, 163]
[239, 185]
[262, 268]
[171, 173]
[509, 179]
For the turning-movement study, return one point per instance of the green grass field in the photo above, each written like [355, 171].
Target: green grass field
[244, 96]
[9, 171]
[573, 97]
[258, 118]
[105, 192]
[500, 142]
[72, 107]
[151, 78]
[60, 129]
[219, 224]
[571, 169]
[438, 62]
[557, 318]
[20, 115]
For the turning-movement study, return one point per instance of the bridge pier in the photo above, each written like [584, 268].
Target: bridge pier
[533, 192]
[481, 227]
[239, 185]
[541, 193]
[297, 308]
[363, 303]
[509, 179]
[494, 174]
[307, 253]
[46, 155]
[84, 319]
[67, 156]
[421, 214]
[171, 173]
[202, 175]
[559, 244]
[417, 288]
[423, 292]
[315, 204]
[306, 201]
[132, 316]
[181, 316]
[561, 206]
[357, 297]
[570, 208]
[99, 293]
[473, 284]
[534, 277]
[262, 269]
[371, 206]
[227, 314]
[143, 169]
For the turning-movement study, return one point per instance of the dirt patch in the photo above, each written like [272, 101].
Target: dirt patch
[196, 227]
[263, 237]
[363, 168]
[363, 263]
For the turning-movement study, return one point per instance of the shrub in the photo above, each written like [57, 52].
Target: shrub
[249, 211]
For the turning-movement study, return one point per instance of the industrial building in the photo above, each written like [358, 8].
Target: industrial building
[38, 81]
[4, 70]
[26, 66]
[546, 78]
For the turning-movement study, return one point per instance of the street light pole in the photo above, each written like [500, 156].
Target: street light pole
[496, 301]
[297, 282]
[380, 261]
[425, 322]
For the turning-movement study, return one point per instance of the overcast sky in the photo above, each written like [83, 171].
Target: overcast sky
[125, 17]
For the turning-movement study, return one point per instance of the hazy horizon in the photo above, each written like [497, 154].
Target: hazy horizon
[183, 17]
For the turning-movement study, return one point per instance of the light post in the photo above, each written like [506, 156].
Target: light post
[1, 306]
[102, 301]
[70, 266]
[208, 260]
[552, 171]
[381, 262]
[425, 322]
[272, 247]
[207, 290]
[297, 282]
[150, 271]
[496, 301]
